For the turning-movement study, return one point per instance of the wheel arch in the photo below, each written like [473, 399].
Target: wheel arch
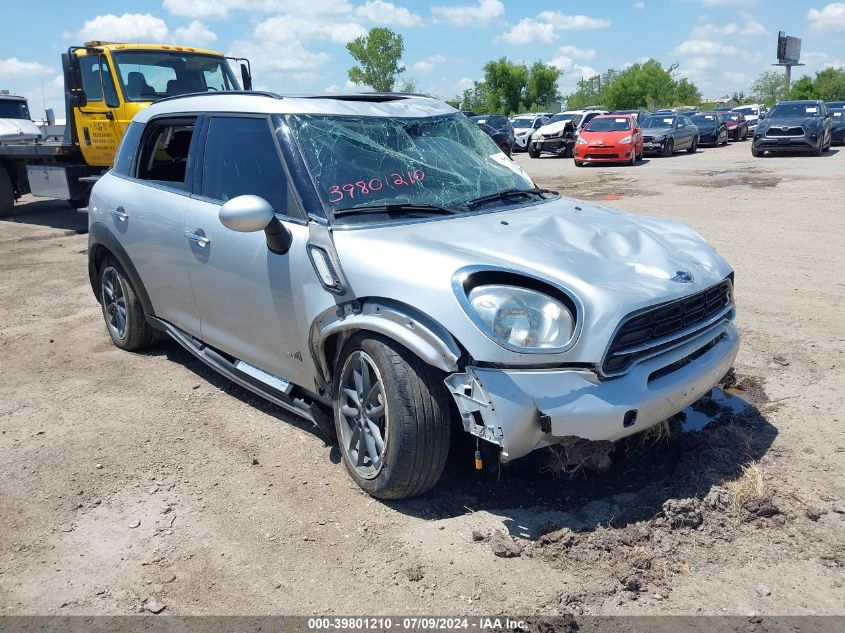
[400, 322]
[102, 244]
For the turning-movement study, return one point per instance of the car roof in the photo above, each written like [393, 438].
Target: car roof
[363, 104]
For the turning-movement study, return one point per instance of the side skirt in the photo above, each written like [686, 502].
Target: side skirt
[303, 407]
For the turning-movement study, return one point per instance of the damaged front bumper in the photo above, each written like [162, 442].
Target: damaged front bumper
[525, 409]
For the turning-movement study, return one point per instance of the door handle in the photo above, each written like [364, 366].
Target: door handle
[197, 236]
[119, 214]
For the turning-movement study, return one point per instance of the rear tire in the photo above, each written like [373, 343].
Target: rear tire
[401, 413]
[7, 193]
[122, 310]
[693, 148]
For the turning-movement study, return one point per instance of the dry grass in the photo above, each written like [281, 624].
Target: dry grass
[747, 486]
[653, 435]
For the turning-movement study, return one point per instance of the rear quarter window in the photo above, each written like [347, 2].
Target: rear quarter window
[128, 148]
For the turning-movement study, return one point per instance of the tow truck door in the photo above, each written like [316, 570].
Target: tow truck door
[96, 122]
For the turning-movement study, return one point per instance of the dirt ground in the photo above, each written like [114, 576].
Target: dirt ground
[133, 482]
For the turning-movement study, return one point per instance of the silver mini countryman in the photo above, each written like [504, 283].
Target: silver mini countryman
[374, 264]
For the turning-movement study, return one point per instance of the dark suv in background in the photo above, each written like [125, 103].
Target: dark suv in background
[794, 126]
[498, 122]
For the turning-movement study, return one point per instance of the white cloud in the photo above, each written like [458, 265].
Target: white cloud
[545, 27]
[14, 66]
[528, 31]
[220, 9]
[706, 47]
[280, 43]
[564, 22]
[748, 27]
[465, 83]
[479, 14]
[195, 34]
[639, 6]
[427, 64]
[380, 12]
[129, 27]
[215, 9]
[577, 53]
[829, 18]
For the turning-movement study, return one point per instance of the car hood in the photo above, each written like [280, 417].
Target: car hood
[791, 121]
[706, 127]
[657, 131]
[554, 128]
[18, 130]
[607, 137]
[613, 263]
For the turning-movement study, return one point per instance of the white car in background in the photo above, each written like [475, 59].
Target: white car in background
[524, 126]
[752, 113]
[558, 134]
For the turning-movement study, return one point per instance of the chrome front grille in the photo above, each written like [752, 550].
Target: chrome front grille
[649, 332]
[780, 132]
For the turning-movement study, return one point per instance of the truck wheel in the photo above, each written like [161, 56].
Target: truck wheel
[392, 418]
[7, 193]
[533, 152]
[122, 311]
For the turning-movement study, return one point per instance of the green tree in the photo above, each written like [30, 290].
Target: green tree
[804, 88]
[378, 54]
[830, 84]
[770, 87]
[511, 88]
[542, 87]
[740, 97]
[686, 93]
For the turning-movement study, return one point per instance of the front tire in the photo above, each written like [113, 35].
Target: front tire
[122, 310]
[392, 418]
[756, 153]
[670, 148]
[533, 152]
[7, 193]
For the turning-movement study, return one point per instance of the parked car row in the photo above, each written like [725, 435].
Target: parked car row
[594, 135]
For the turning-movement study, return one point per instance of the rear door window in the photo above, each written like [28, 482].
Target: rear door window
[163, 157]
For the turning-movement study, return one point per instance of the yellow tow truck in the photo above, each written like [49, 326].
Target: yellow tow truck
[106, 84]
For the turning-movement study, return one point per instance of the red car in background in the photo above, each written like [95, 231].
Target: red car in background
[609, 138]
[737, 125]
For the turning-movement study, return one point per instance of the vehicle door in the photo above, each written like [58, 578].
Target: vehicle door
[148, 215]
[684, 132]
[245, 294]
[96, 124]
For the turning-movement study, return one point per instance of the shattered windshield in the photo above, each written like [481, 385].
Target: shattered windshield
[444, 162]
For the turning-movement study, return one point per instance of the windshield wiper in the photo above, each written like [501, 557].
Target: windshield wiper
[400, 207]
[507, 194]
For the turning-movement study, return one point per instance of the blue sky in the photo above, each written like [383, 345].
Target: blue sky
[297, 46]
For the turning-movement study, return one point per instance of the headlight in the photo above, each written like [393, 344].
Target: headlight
[660, 138]
[522, 318]
[535, 136]
[625, 141]
[581, 141]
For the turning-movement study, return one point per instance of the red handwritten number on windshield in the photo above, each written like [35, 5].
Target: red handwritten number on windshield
[363, 187]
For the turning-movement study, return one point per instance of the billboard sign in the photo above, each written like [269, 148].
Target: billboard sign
[789, 49]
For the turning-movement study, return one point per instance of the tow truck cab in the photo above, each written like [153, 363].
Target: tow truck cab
[106, 84]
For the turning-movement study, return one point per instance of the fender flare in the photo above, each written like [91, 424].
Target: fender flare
[400, 322]
[101, 239]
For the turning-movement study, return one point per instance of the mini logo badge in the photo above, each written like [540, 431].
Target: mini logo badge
[683, 277]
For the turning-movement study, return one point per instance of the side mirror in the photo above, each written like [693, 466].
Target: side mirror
[246, 77]
[247, 214]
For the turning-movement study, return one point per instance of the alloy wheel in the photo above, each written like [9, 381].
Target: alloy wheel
[114, 303]
[362, 410]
